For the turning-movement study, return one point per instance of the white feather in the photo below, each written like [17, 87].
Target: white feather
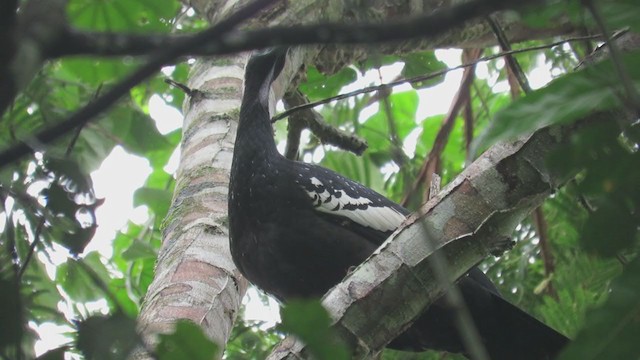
[380, 218]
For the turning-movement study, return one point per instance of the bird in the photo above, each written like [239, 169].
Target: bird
[296, 230]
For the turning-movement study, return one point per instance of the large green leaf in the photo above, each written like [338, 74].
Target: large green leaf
[79, 284]
[360, 169]
[158, 200]
[309, 321]
[377, 129]
[319, 86]
[112, 15]
[621, 14]
[564, 100]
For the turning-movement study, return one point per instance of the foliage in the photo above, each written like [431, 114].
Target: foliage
[309, 321]
[48, 202]
[187, 342]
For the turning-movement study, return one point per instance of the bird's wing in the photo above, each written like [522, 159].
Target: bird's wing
[334, 194]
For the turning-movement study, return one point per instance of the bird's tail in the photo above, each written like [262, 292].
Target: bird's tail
[518, 335]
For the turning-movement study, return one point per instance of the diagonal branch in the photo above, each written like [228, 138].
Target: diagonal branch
[478, 223]
[426, 77]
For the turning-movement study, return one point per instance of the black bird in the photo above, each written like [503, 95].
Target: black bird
[296, 229]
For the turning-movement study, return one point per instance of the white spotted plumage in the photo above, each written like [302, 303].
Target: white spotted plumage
[360, 210]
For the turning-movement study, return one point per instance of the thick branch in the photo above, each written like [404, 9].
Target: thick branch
[114, 44]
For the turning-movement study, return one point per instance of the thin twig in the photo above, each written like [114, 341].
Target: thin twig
[467, 111]
[426, 77]
[545, 250]
[459, 100]
[633, 98]
[32, 247]
[506, 47]
[296, 123]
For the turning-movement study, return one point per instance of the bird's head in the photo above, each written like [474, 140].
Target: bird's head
[262, 69]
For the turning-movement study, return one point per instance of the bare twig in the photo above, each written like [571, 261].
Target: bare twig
[326, 133]
[459, 100]
[187, 90]
[506, 47]
[545, 250]
[633, 98]
[426, 77]
[296, 123]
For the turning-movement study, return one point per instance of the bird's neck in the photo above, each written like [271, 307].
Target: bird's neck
[255, 133]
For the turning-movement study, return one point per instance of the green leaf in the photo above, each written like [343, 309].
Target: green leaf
[421, 63]
[553, 11]
[610, 229]
[620, 14]
[139, 250]
[93, 72]
[319, 86]
[42, 297]
[564, 100]
[107, 337]
[119, 288]
[310, 322]
[377, 129]
[11, 313]
[187, 342]
[137, 131]
[138, 16]
[157, 200]
[611, 331]
[360, 169]
[79, 285]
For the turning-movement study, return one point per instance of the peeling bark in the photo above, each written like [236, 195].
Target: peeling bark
[195, 278]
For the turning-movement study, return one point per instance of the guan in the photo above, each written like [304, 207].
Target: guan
[296, 229]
